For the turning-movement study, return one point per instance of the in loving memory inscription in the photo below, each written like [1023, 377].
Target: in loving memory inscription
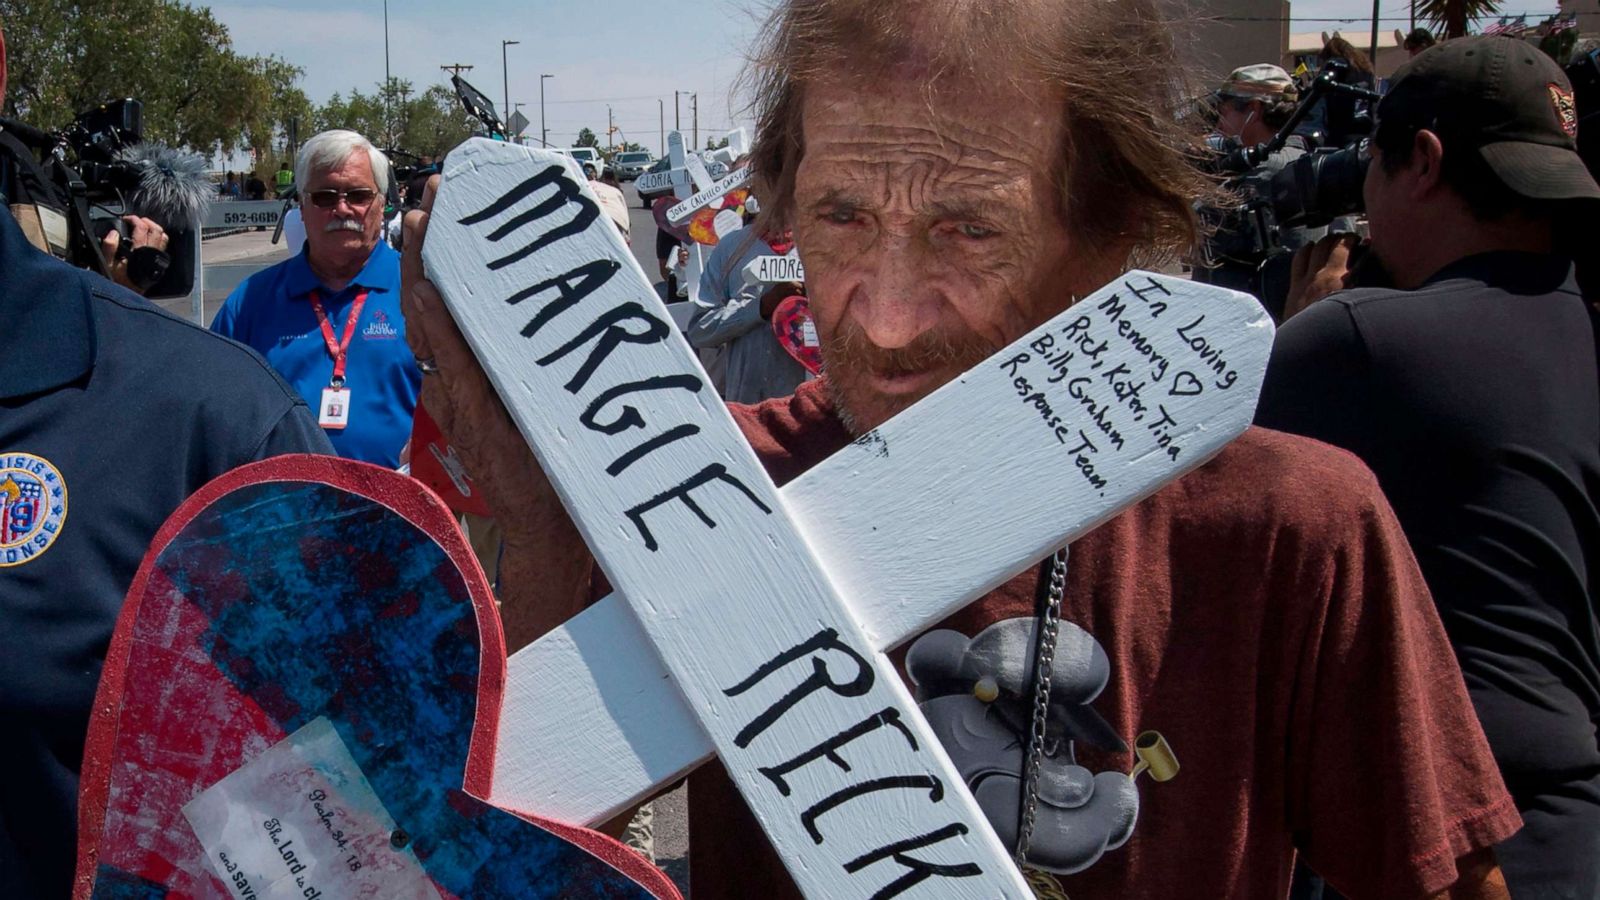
[1096, 402]
[813, 724]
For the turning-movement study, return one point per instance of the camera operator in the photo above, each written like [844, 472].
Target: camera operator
[1470, 389]
[141, 266]
[133, 250]
[1251, 105]
[111, 414]
[1339, 118]
[137, 261]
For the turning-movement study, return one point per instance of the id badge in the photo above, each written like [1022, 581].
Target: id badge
[334, 413]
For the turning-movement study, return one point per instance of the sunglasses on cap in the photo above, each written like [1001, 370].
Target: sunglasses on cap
[328, 198]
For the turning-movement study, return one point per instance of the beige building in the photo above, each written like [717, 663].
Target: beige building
[1217, 36]
[1304, 46]
[1214, 37]
[1587, 13]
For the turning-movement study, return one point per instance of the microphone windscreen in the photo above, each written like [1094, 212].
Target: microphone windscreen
[174, 188]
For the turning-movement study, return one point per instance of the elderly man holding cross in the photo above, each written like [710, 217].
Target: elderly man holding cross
[956, 175]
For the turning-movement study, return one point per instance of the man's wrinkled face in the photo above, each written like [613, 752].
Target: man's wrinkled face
[932, 232]
[345, 232]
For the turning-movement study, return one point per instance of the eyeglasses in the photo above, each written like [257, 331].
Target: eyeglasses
[328, 198]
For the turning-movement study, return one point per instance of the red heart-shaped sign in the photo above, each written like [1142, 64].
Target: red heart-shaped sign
[797, 332]
[301, 700]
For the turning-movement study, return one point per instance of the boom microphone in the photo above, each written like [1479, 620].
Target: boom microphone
[172, 188]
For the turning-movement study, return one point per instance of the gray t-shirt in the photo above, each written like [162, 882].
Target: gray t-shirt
[729, 317]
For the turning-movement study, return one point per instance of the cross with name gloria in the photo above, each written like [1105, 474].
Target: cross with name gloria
[775, 653]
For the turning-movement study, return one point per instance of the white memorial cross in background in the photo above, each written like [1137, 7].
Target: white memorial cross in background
[694, 186]
[751, 622]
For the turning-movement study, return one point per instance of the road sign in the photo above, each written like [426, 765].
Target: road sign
[518, 123]
[777, 649]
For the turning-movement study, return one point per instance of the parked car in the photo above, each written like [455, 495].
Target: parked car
[629, 165]
[586, 156]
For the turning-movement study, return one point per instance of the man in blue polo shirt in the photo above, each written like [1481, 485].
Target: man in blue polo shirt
[328, 319]
[111, 414]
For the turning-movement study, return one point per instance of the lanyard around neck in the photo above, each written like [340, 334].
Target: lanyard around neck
[338, 349]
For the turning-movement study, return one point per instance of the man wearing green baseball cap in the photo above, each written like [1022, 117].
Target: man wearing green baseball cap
[1471, 390]
[1252, 103]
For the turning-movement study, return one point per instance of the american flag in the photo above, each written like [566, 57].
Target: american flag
[1509, 26]
[19, 509]
[1562, 24]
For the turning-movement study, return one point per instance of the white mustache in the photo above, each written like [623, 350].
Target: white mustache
[343, 225]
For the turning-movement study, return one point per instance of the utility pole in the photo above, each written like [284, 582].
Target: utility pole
[457, 68]
[694, 98]
[388, 115]
[677, 115]
[662, 105]
[505, 79]
[544, 133]
[1374, 54]
[611, 127]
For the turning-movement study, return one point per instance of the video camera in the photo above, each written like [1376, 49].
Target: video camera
[1326, 182]
[1309, 191]
[80, 181]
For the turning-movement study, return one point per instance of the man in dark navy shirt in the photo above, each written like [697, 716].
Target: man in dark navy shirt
[111, 413]
[1471, 390]
[328, 319]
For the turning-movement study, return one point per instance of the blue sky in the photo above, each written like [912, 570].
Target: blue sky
[628, 53]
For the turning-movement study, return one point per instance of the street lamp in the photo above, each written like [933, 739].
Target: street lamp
[388, 131]
[544, 133]
[505, 79]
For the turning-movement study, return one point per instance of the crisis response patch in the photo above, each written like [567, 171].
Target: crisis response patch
[33, 507]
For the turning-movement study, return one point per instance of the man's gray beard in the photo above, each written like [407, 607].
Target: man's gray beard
[841, 408]
[850, 348]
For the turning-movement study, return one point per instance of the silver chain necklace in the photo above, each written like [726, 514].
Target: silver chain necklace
[1043, 661]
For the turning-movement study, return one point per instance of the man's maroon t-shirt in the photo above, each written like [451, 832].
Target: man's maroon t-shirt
[1264, 616]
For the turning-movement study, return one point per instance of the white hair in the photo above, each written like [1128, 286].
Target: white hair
[329, 149]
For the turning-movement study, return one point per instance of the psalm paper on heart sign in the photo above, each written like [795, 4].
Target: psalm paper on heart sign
[766, 658]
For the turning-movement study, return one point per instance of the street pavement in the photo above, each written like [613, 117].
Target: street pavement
[231, 259]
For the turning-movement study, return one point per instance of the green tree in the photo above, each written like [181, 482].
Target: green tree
[586, 138]
[68, 56]
[396, 116]
[714, 144]
[1451, 18]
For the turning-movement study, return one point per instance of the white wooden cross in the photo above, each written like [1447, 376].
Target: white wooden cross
[694, 186]
[773, 268]
[728, 634]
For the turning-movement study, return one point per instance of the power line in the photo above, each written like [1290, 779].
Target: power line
[652, 97]
[1344, 19]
